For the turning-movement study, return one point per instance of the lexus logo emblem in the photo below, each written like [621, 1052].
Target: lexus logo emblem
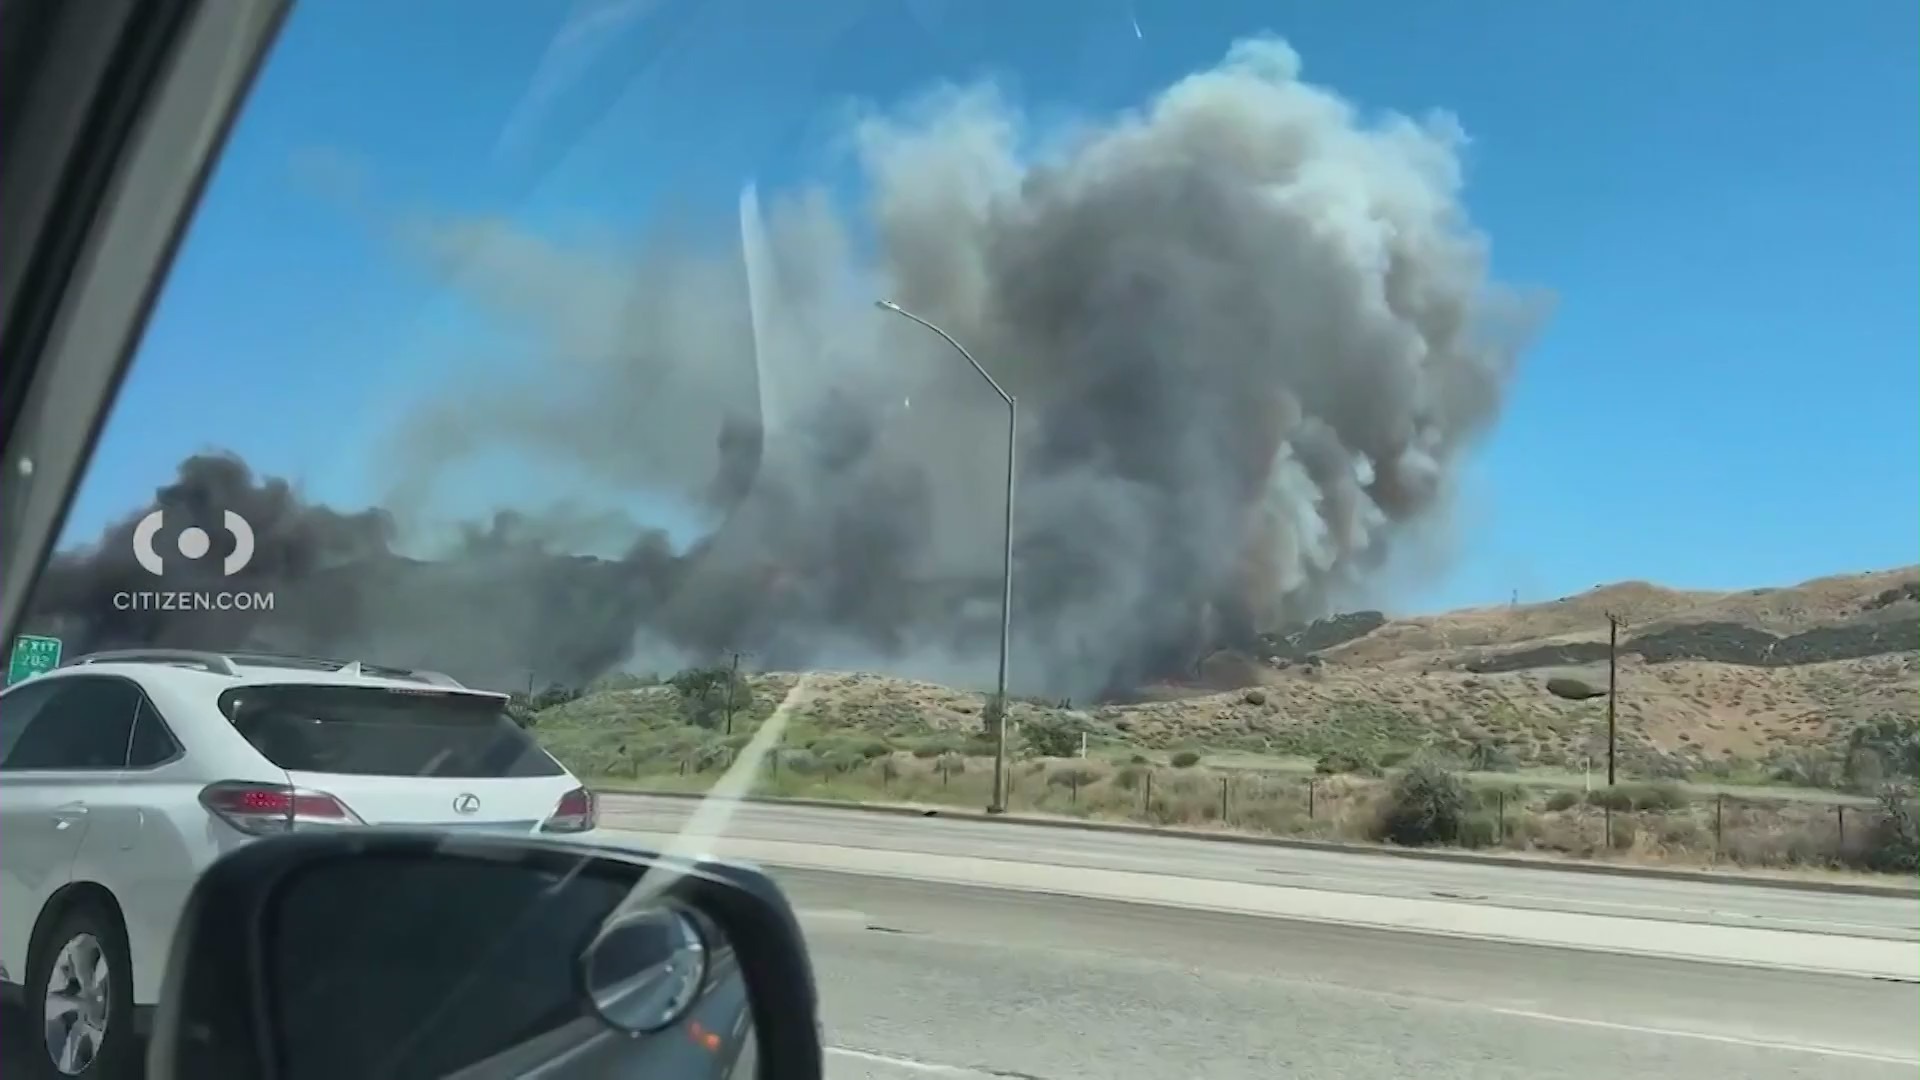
[466, 804]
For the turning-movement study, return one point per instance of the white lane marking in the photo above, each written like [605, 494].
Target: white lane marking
[1707, 1036]
[831, 915]
[928, 1068]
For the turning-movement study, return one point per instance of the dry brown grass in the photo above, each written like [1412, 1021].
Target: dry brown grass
[1679, 830]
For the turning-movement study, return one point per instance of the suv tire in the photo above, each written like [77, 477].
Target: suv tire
[83, 966]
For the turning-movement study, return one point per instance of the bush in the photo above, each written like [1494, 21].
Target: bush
[1806, 767]
[1893, 843]
[1479, 830]
[1185, 759]
[1562, 800]
[553, 695]
[1353, 762]
[1616, 799]
[1426, 805]
[1572, 689]
[1051, 738]
[1488, 755]
[708, 695]
[1885, 747]
[799, 762]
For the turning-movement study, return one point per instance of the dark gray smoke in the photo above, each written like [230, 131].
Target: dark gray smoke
[1251, 337]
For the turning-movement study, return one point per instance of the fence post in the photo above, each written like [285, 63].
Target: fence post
[1223, 800]
[1500, 817]
[1840, 815]
[1609, 821]
[1146, 800]
[1073, 787]
[1719, 809]
[1310, 785]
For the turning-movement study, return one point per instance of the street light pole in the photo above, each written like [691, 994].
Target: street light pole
[998, 803]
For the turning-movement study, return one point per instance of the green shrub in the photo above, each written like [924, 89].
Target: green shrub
[1051, 737]
[1572, 689]
[708, 695]
[1562, 800]
[1617, 799]
[799, 762]
[1185, 759]
[1350, 762]
[1479, 830]
[1426, 805]
[1893, 841]
[1886, 747]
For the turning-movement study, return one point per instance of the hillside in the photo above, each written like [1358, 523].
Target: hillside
[1753, 686]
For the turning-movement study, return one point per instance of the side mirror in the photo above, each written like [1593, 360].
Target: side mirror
[383, 955]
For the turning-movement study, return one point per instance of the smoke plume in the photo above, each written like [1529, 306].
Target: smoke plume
[1251, 337]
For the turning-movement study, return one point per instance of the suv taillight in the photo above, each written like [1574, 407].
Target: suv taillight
[576, 813]
[260, 809]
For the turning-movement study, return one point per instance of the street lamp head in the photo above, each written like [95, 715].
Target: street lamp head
[886, 305]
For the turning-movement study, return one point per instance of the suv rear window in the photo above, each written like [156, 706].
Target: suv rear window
[377, 731]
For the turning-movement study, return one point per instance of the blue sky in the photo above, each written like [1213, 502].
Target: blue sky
[1724, 196]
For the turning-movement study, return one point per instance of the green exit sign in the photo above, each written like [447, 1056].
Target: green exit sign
[32, 654]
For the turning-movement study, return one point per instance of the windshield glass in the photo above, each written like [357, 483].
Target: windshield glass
[1068, 486]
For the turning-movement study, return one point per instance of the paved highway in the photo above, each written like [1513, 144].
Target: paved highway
[932, 978]
[926, 981]
[1339, 872]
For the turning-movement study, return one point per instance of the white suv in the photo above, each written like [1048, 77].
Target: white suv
[124, 774]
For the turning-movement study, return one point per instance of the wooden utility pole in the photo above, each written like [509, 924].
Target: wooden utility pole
[1613, 676]
[733, 679]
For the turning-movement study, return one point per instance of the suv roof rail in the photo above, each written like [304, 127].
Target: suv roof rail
[227, 663]
[344, 667]
[218, 663]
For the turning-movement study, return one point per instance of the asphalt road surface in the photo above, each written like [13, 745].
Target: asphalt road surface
[926, 979]
[1340, 872]
[931, 980]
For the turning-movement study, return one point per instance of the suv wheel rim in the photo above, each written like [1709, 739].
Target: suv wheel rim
[77, 995]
